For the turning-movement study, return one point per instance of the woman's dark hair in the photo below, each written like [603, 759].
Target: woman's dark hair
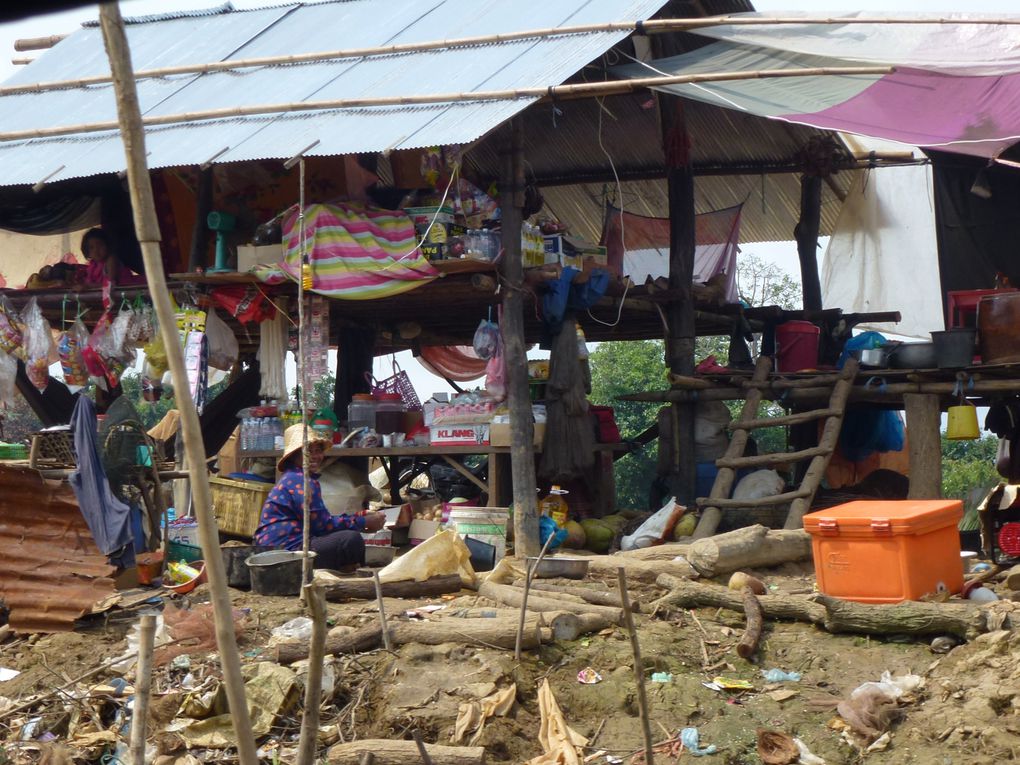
[94, 233]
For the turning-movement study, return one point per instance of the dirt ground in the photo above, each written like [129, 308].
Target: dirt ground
[968, 710]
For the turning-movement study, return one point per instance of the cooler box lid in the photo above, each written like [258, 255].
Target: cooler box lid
[869, 517]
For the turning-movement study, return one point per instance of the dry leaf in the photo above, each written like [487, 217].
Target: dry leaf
[783, 694]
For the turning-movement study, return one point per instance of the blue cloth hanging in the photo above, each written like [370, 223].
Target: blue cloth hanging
[107, 517]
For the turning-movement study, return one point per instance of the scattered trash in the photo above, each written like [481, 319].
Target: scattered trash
[982, 595]
[873, 707]
[880, 745]
[943, 644]
[979, 568]
[181, 662]
[689, 738]
[662, 677]
[472, 715]
[560, 742]
[8, 674]
[807, 757]
[296, 630]
[30, 729]
[780, 676]
[783, 694]
[777, 748]
[588, 676]
[729, 684]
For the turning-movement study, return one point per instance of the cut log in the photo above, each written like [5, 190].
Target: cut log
[1013, 578]
[684, 593]
[752, 631]
[494, 633]
[363, 588]
[639, 570]
[964, 620]
[386, 752]
[666, 552]
[749, 547]
[583, 594]
[513, 596]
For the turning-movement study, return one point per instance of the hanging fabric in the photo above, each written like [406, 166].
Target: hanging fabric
[459, 363]
[272, 356]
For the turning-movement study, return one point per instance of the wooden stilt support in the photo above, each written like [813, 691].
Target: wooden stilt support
[143, 684]
[924, 422]
[315, 599]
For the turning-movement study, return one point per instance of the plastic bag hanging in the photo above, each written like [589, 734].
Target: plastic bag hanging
[8, 379]
[223, 348]
[486, 342]
[38, 345]
[70, 345]
[11, 338]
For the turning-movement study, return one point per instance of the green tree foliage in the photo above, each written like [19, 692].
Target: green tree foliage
[968, 469]
[626, 367]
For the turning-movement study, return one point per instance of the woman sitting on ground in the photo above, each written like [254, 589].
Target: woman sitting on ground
[335, 539]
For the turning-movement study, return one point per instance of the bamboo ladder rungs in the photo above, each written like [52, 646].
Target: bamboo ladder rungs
[789, 419]
[775, 499]
[769, 460]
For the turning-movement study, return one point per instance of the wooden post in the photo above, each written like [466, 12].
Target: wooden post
[522, 429]
[387, 643]
[143, 684]
[806, 232]
[355, 353]
[680, 310]
[924, 423]
[199, 254]
[315, 598]
[147, 227]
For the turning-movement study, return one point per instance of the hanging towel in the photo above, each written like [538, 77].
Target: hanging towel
[107, 517]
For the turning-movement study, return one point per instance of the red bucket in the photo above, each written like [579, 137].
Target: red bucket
[796, 346]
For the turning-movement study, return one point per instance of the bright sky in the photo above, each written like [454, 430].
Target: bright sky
[783, 254]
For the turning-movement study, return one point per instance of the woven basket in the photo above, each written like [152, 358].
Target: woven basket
[55, 448]
[400, 384]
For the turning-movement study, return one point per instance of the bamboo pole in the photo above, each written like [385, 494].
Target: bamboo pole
[387, 641]
[306, 496]
[147, 228]
[143, 686]
[639, 670]
[657, 26]
[552, 92]
[532, 567]
[315, 599]
[40, 43]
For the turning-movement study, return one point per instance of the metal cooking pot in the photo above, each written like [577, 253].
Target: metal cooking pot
[912, 355]
[872, 357]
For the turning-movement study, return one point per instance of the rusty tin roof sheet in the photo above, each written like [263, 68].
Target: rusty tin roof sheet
[51, 571]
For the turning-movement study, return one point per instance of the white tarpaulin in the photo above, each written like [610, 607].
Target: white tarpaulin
[883, 255]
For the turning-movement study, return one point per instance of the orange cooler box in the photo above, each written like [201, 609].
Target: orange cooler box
[887, 551]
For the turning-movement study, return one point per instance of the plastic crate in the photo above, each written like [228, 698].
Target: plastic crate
[238, 504]
[181, 551]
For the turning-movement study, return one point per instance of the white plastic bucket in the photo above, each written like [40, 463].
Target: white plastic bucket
[486, 524]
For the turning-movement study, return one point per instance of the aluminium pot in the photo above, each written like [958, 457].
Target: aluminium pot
[912, 355]
[875, 358]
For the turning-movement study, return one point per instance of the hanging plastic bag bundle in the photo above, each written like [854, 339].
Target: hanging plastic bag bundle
[8, 379]
[486, 342]
[38, 345]
[11, 339]
[69, 348]
[223, 347]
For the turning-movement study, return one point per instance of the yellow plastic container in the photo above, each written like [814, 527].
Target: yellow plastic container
[555, 506]
[963, 423]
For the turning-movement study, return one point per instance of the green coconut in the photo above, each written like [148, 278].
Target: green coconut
[615, 521]
[684, 527]
[598, 534]
[575, 536]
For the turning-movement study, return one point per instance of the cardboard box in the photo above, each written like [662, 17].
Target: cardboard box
[459, 435]
[573, 252]
[249, 255]
[887, 551]
[499, 434]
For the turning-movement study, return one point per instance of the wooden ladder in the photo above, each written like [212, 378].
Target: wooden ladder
[800, 498]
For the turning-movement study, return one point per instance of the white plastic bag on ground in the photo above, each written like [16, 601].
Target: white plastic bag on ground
[760, 483]
[657, 529]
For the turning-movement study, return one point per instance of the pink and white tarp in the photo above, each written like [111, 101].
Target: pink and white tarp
[953, 87]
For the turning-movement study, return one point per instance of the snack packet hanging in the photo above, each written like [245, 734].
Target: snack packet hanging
[11, 338]
[8, 379]
[38, 345]
[70, 345]
[486, 342]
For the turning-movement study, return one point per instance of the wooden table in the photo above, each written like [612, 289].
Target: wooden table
[494, 486]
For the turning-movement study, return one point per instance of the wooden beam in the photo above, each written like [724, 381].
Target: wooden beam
[924, 423]
[806, 233]
[522, 429]
[770, 460]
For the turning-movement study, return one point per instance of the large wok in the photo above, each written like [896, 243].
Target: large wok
[911, 355]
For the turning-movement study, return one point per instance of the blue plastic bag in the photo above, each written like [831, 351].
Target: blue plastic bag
[862, 342]
[547, 526]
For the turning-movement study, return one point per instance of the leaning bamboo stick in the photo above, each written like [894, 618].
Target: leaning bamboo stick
[557, 92]
[657, 26]
[147, 228]
[315, 599]
[639, 670]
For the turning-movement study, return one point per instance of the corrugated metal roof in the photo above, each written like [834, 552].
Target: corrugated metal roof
[299, 29]
[51, 572]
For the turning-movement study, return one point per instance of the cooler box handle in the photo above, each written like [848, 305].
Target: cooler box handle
[881, 526]
[828, 527]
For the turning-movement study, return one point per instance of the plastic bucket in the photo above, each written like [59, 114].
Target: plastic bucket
[796, 346]
[484, 524]
[276, 572]
[954, 347]
[235, 558]
[483, 555]
[963, 423]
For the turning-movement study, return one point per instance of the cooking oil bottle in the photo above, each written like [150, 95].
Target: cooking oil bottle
[555, 506]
